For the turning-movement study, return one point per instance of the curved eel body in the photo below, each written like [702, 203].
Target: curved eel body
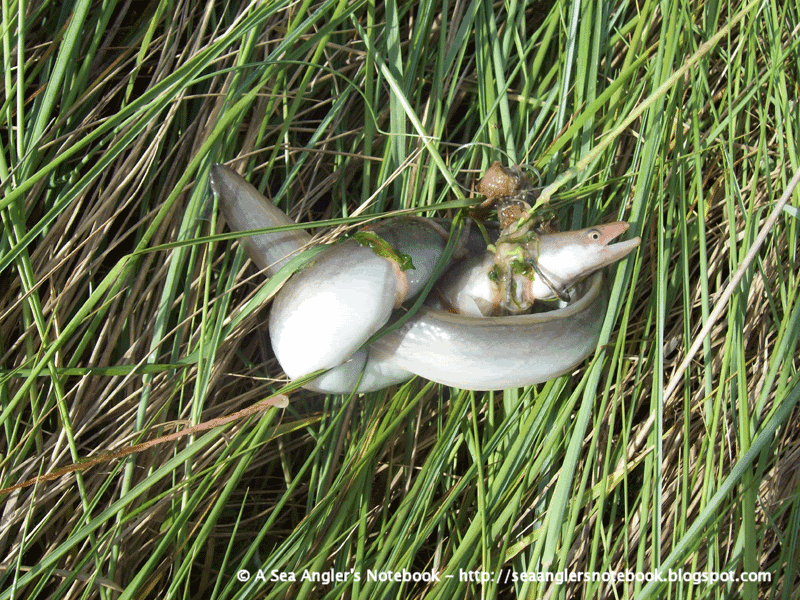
[490, 353]
[327, 311]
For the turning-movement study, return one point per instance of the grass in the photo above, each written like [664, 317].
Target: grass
[135, 370]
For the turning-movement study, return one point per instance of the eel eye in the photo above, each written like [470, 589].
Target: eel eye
[594, 234]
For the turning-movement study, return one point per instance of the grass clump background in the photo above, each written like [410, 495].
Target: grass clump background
[129, 315]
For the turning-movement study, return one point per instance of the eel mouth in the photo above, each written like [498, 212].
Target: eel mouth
[619, 250]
